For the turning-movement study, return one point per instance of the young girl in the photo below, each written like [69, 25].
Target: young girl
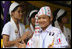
[31, 29]
[49, 36]
[13, 30]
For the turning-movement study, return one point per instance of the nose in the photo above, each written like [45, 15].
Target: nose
[21, 13]
[41, 20]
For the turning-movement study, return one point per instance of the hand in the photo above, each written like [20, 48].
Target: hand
[22, 45]
[18, 40]
[26, 34]
[51, 45]
[17, 44]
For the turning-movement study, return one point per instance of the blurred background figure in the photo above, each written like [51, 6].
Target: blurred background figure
[5, 6]
[59, 21]
[2, 18]
[31, 28]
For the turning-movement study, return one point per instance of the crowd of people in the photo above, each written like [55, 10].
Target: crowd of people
[46, 30]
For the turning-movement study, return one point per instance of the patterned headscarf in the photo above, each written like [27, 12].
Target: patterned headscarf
[34, 41]
[45, 10]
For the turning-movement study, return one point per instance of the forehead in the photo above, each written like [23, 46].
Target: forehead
[19, 8]
[43, 16]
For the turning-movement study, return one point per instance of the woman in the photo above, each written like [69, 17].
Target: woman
[31, 29]
[60, 19]
[48, 36]
[14, 30]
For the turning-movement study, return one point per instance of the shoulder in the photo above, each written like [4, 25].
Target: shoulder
[7, 24]
[66, 28]
[56, 30]
[6, 28]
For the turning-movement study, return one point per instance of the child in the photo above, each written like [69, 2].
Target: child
[48, 36]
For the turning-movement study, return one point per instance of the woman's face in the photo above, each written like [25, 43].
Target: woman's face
[18, 13]
[44, 21]
[65, 19]
[33, 21]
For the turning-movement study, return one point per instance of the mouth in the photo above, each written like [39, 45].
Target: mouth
[20, 16]
[42, 24]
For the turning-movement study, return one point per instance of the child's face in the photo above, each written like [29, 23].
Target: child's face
[44, 21]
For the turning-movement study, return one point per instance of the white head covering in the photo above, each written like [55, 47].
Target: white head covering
[45, 10]
[32, 12]
[13, 5]
[60, 12]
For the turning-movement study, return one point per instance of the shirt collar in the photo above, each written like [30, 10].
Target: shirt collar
[47, 29]
[14, 25]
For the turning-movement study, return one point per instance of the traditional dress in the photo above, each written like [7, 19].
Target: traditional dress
[51, 35]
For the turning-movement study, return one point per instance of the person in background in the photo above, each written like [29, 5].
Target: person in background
[60, 19]
[14, 32]
[31, 29]
[2, 18]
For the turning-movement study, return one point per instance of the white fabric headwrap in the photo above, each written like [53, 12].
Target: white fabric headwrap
[32, 12]
[61, 11]
[13, 5]
[45, 10]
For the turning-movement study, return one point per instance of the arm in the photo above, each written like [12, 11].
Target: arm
[8, 43]
[27, 34]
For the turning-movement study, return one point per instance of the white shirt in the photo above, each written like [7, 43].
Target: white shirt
[45, 38]
[10, 28]
[67, 32]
